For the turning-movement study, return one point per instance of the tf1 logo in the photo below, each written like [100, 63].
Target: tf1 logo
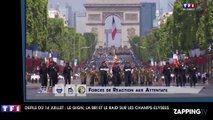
[10, 108]
[188, 5]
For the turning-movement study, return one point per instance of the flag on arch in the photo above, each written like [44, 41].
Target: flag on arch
[114, 28]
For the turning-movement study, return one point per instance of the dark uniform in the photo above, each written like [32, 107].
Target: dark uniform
[167, 74]
[192, 72]
[122, 76]
[43, 75]
[116, 74]
[127, 72]
[103, 73]
[178, 75]
[183, 74]
[53, 74]
[67, 71]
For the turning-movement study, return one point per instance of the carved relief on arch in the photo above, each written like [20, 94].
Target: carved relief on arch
[94, 30]
[94, 17]
[131, 31]
[131, 17]
[107, 14]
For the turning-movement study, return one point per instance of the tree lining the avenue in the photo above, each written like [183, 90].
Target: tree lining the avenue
[183, 30]
[51, 33]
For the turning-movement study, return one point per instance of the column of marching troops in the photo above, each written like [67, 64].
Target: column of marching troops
[103, 76]
[145, 76]
[183, 74]
[52, 71]
[129, 75]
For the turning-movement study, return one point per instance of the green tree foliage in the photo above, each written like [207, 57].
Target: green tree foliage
[181, 31]
[201, 36]
[36, 22]
[210, 20]
[91, 42]
[69, 44]
[51, 33]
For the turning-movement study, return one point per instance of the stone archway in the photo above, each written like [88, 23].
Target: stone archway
[128, 11]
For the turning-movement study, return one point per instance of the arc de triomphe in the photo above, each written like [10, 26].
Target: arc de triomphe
[128, 11]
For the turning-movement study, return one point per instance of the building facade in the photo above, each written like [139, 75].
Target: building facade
[147, 17]
[81, 22]
[71, 17]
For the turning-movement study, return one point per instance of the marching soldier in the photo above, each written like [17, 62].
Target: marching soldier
[167, 74]
[67, 71]
[122, 76]
[183, 73]
[53, 74]
[127, 72]
[56, 73]
[92, 75]
[110, 77]
[192, 72]
[103, 73]
[43, 76]
[142, 76]
[97, 77]
[116, 74]
[149, 76]
[135, 75]
[83, 76]
[146, 77]
[178, 74]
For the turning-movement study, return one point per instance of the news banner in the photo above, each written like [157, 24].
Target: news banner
[17, 108]
[83, 90]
